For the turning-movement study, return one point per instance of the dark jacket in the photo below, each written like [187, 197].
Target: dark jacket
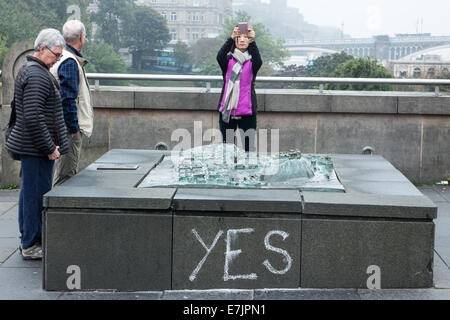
[40, 123]
[223, 58]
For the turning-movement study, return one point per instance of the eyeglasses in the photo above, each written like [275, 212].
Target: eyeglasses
[57, 55]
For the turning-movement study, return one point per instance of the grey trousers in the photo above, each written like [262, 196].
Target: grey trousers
[67, 166]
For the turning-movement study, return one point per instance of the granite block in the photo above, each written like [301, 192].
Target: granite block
[347, 254]
[238, 200]
[123, 252]
[109, 198]
[368, 205]
[243, 253]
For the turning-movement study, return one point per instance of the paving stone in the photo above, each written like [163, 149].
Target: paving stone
[368, 205]
[16, 261]
[11, 214]
[341, 253]
[5, 207]
[109, 198]
[131, 156]
[441, 273]
[23, 284]
[244, 253]
[9, 229]
[443, 209]
[111, 250]
[306, 294]
[226, 294]
[5, 253]
[233, 200]
[9, 242]
[111, 296]
[442, 231]
[9, 195]
[444, 191]
[418, 294]
[433, 195]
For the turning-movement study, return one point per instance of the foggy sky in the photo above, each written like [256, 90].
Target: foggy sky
[364, 18]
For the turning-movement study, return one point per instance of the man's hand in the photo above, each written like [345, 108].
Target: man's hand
[55, 155]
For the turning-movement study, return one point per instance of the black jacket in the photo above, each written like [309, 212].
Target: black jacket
[223, 58]
[39, 116]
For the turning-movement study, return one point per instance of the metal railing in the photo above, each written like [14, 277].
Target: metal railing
[436, 83]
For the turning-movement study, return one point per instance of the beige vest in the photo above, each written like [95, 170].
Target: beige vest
[84, 107]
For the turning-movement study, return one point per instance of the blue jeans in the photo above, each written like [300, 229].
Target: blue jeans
[36, 181]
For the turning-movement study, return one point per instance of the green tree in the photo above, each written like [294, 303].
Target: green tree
[103, 59]
[324, 66]
[26, 18]
[111, 17]
[204, 53]
[360, 68]
[146, 33]
[182, 55]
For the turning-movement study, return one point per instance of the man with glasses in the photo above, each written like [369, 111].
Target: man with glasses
[76, 99]
[38, 137]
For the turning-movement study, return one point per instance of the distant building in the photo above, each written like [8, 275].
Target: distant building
[427, 66]
[190, 20]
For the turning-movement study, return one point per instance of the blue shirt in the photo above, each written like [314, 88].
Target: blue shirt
[68, 74]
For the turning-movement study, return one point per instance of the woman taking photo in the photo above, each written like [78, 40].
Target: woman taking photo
[240, 62]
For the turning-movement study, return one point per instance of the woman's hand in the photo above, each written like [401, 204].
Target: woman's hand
[251, 35]
[236, 33]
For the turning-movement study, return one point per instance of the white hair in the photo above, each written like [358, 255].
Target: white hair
[50, 38]
[73, 30]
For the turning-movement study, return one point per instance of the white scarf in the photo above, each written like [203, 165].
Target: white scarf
[234, 84]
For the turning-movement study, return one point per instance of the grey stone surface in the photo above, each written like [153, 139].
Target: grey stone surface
[443, 234]
[9, 229]
[441, 273]
[364, 104]
[239, 259]
[368, 205]
[5, 253]
[297, 131]
[433, 194]
[444, 191]
[297, 103]
[11, 214]
[223, 294]
[6, 206]
[145, 129]
[130, 156]
[182, 100]
[23, 284]
[306, 294]
[381, 188]
[16, 261]
[112, 99]
[126, 252]
[237, 200]
[419, 294]
[338, 253]
[436, 146]
[9, 196]
[102, 179]
[424, 105]
[109, 198]
[398, 141]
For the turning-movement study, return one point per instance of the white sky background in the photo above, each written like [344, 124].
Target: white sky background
[364, 18]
